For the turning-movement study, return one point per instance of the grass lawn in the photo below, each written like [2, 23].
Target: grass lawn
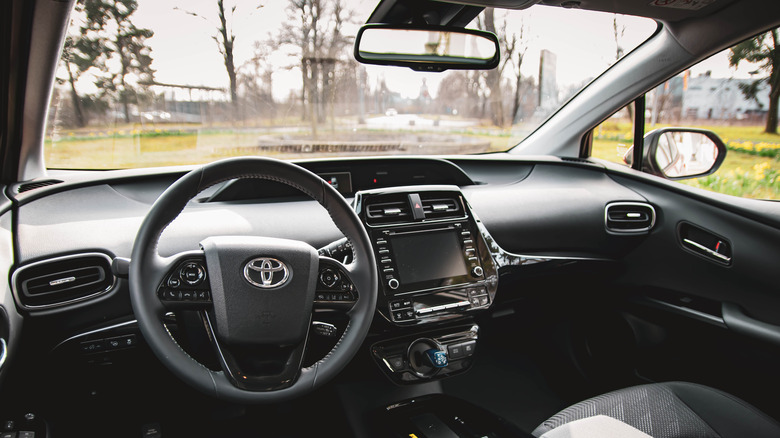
[751, 168]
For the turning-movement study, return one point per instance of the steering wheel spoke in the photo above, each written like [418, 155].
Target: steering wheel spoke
[256, 367]
[184, 282]
[335, 288]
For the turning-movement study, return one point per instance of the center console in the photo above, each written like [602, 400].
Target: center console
[433, 261]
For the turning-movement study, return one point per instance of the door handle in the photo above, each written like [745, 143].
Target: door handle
[711, 252]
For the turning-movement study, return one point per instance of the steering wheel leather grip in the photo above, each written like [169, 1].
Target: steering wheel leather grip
[148, 269]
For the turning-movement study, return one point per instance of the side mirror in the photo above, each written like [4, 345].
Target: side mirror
[680, 153]
[427, 48]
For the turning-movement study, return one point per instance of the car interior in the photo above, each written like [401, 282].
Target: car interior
[537, 291]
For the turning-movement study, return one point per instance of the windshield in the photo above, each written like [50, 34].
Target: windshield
[169, 82]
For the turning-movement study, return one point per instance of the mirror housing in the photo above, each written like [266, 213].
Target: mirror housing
[680, 153]
[427, 48]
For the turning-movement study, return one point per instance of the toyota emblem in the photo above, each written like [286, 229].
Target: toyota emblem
[266, 272]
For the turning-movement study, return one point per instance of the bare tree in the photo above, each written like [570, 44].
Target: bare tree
[255, 79]
[315, 29]
[515, 46]
[226, 40]
[494, 76]
[618, 31]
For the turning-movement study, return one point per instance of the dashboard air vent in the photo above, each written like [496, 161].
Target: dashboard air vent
[386, 212]
[629, 217]
[439, 208]
[64, 280]
[26, 187]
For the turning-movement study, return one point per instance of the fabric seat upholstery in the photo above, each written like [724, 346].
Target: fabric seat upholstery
[673, 410]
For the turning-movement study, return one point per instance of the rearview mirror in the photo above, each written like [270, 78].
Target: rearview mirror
[426, 48]
[680, 153]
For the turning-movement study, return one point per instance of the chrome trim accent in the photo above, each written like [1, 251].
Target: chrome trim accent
[92, 332]
[387, 364]
[3, 352]
[707, 250]
[629, 204]
[62, 281]
[267, 268]
[104, 329]
[504, 258]
[58, 259]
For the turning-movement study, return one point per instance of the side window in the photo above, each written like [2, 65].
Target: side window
[729, 94]
[614, 136]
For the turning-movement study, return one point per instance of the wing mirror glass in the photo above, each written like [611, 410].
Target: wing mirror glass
[428, 48]
[680, 153]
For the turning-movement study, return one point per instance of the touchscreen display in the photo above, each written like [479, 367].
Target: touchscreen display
[428, 256]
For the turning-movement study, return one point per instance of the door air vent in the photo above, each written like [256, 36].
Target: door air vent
[26, 187]
[63, 280]
[629, 218]
[388, 212]
[441, 208]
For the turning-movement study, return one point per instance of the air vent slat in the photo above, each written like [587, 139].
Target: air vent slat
[441, 207]
[385, 212]
[63, 280]
[629, 218]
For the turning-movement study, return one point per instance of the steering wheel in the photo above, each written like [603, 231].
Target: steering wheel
[255, 294]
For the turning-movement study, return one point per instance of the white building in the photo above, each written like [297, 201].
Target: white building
[721, 99]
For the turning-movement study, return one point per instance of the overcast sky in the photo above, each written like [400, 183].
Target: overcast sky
[185, 53]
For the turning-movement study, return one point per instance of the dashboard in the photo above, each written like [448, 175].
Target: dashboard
[446, 233]
[457, 240]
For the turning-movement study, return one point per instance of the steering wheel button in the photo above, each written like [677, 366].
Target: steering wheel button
[171, 295]
[174, 282]
[192, 273]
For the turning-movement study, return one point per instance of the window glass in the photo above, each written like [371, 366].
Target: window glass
[167, 82]
[614, 136]
[729, 94]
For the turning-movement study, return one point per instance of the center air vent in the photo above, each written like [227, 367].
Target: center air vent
[629, 218]
[439, 208]
[64, 280]
[386, 212]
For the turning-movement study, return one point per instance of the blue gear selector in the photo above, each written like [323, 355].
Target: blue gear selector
[437, 357]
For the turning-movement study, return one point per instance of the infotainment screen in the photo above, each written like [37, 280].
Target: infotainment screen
[428, 256]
